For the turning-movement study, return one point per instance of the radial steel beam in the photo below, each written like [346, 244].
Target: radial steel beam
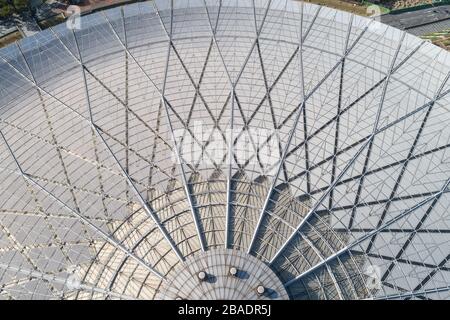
[336, 133]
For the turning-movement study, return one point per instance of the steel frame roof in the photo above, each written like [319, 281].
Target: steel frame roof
[96, 183]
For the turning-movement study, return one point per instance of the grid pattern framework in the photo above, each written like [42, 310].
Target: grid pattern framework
[99, 198]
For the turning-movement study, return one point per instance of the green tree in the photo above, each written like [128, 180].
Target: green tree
[21, 5]
[6, 9]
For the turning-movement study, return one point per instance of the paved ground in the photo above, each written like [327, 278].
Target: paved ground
[430, 28]
[414, 19]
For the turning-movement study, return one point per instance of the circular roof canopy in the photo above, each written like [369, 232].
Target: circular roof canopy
[147, 150]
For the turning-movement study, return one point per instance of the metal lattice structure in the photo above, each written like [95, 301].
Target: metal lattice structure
[100, 198]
